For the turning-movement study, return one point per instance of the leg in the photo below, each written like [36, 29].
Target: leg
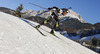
[55, 26]
[44, 22]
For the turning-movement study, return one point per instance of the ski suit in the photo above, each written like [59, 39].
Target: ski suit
[54, 15]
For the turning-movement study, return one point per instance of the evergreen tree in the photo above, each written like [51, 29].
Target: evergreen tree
[18, 13]
[95, 41]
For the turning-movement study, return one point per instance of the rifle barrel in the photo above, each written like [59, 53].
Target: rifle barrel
[37, 5]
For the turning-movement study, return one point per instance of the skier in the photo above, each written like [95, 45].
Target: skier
[56, 12]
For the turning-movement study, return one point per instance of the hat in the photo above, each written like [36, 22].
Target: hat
[55, 7]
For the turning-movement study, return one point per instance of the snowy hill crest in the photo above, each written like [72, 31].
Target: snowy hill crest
[18, 37]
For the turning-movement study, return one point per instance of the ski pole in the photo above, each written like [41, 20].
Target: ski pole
[37, 5]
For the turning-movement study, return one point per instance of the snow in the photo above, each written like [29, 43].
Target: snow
[18, 37]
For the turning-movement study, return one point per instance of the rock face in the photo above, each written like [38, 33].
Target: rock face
[97, 28]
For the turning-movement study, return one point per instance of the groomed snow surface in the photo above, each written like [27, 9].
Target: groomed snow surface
[18, 37]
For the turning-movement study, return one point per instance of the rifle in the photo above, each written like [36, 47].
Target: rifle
[44, 7]
[37, 5]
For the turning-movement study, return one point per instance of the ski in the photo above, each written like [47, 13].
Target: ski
[40, 32]
[37, 29]
[50, 33]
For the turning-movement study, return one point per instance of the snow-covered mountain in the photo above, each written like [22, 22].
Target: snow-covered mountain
[45, 14]
[29, 13]
[18, 37]
[73, 14]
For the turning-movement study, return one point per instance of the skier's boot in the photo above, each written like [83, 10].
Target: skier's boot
[52, 32]
[37, 26]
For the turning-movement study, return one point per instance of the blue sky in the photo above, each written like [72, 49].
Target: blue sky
[88, 9]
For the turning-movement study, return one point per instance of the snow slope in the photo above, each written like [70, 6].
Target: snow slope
[18, 37]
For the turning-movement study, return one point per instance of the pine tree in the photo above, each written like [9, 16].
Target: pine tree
[18, 13]
[95, 41]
